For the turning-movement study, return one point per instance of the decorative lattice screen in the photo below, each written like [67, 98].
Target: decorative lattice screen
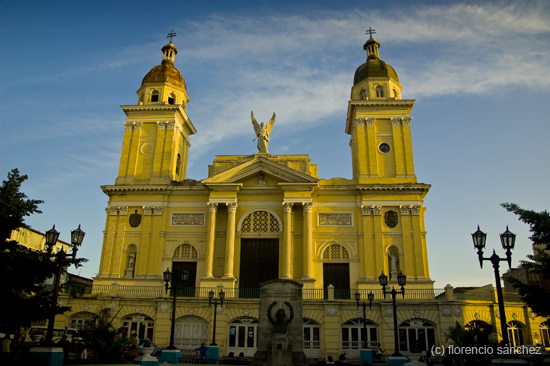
[336, 251]
[260, 222]
[185, 251]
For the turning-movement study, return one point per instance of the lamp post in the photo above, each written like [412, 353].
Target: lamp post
[370, 296]
[508, 240]
[77, 236]
[167, 275]
[401, 280]
[215, 301]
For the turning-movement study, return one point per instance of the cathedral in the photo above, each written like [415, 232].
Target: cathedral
[261, 217]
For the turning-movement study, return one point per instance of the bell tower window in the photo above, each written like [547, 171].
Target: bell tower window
[155, 96]
[171, 99]
[379, 92]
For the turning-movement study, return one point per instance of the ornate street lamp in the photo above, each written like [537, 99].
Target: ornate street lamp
[370, 297]
[508, 240]
[167, 276]
[77, 236]
[215, 301]
[401, 280]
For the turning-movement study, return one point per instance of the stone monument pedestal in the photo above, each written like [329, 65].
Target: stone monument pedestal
[280, 325]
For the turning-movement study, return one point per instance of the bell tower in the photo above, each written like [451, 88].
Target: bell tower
[379, 123]
[156, 143]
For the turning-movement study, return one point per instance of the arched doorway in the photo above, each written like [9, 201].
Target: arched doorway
[190, 331]
[353, 336]
[312, 338]
[515, 333]
[242, 336]
[78, 320]
[142, 325]
[185, 258]
[336, 271]
[416, 335]
[259, 261]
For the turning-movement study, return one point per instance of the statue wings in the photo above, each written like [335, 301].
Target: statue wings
[257, 125]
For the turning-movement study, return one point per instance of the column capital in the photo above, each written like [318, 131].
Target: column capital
[128, 125]
[147, 210]
[287, 206]
[308, 206]
[123, 210]
[371, 209]
[170, 125]
[113, 211]
[396, 121]
[415, 210]
[232, 207]
[137, 126]
[405, 209]
[213, 206]
[359, 122]
[407, 121]
[370, 122]
[157, 211]
[161, 125]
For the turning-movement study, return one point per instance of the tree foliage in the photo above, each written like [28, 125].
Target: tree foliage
[475, 337]
[103, 338]
[23, 270]
[534, 295]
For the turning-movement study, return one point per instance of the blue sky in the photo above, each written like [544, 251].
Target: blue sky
[479, 71]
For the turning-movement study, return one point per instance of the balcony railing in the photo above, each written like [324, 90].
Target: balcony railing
[254, 293]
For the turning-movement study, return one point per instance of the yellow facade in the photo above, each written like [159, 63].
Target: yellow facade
[263, 215]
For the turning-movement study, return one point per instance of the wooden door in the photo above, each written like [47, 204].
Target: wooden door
[337, 275]
[177, 269]
[259, 263]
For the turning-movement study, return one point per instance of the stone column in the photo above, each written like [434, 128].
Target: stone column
[371, 143]
[361, 141]
[381, 263]
[287, 245]
[159, 149]
[307, 244]
[368, 259]
[398, 146]
[210, 238]
[407, 141]
[230, 240]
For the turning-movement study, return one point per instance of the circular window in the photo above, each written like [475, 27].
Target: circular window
[384, 148]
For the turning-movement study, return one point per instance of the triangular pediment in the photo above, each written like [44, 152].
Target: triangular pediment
[261, 166]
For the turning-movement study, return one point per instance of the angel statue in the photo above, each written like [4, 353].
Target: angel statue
[262, 132]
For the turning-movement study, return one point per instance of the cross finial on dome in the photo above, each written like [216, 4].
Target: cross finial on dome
[170, 35]
[370, 31]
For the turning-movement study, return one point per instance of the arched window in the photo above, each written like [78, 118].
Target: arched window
[515, 334]
[190, 331]
[354, 335]
[140, 325]
[478, 324]
[178, 163]
[362, 94]
[172, 98]
[335, 251]
[185, 251]
[379, 92]
[155, 96]
[260, 222]
[544, 335]
[416, 335]
[312, 338]
[242, 336]
[78, 320]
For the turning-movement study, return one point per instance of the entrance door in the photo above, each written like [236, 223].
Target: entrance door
[259, 263]
[337, 275]
[177, 270]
